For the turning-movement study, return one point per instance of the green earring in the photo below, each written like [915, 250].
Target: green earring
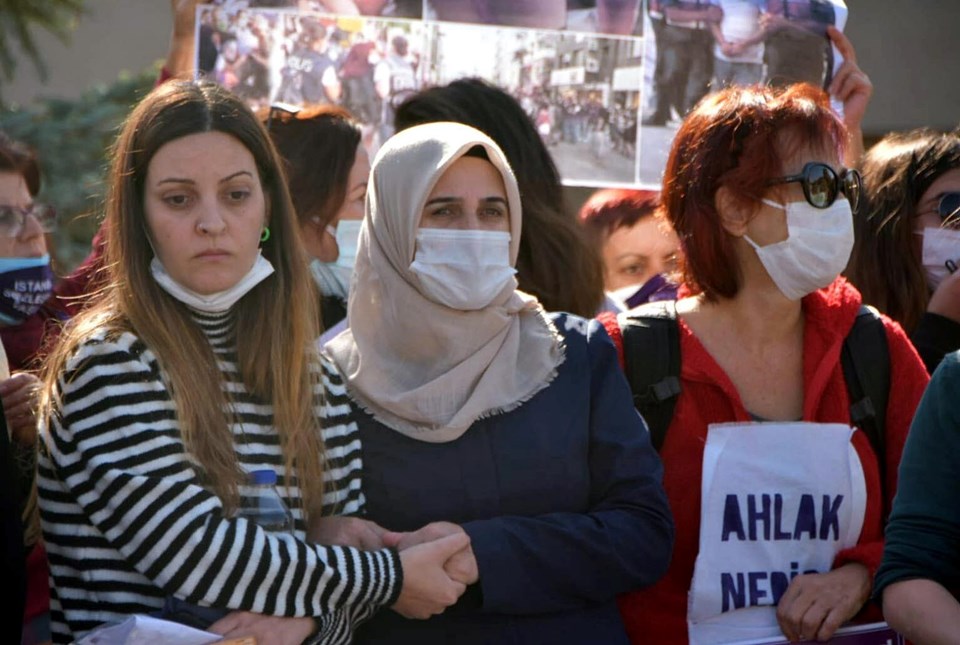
[265, 235]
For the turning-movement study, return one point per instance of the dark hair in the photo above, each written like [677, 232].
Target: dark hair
[607, 210]
[556, 263]
[886, 264]
[318, 146]
[736, 138]
[17, 158]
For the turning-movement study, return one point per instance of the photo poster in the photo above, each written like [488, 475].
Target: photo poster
[605, 98]
[574, 66]
[756, 41]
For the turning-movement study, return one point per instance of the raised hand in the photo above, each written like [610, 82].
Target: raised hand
[852, 87]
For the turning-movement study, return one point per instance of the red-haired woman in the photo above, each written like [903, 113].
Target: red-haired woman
[638, 246]
[778, 501]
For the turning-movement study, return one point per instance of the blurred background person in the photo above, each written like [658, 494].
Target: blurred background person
[738, 52]
[395, 79]
[638, 246]
[30, 319]
[327, 169]
[684, 56]
[555, 263]
[907, 245]
[796, 47]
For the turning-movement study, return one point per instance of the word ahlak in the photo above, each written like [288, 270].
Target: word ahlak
[755, 588]
[765, 520]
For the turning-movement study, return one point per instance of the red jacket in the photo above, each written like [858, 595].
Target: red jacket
[658, 614]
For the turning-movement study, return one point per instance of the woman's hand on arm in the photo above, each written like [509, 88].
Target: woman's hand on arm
[815, 605]
[267, 630]
[427, 588]
[19, 396]
[923, 611]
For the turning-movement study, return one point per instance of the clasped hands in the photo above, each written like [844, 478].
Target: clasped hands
[438, 562]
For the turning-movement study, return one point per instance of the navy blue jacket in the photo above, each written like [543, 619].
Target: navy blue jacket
[562, 499]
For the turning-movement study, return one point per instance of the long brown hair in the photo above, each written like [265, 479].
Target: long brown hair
[886, 264]
[275, 323]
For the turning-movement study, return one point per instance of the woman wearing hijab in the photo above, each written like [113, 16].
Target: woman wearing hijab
[481, 413]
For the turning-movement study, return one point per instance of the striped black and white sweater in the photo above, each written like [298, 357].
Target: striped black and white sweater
[127, 523]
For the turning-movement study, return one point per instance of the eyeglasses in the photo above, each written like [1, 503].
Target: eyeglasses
[822, 184]
[281, 110]
[948, 208]
[13, 219]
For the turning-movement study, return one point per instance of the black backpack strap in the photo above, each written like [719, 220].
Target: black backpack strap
[651, 353]
[866, 370]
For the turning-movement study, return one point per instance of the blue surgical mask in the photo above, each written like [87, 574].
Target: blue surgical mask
[348, 237]
[25, 284]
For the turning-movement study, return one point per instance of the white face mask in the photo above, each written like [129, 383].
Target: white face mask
[334, 277]
[818, 245]
[463, 269]
[939, 246]
[214, 302]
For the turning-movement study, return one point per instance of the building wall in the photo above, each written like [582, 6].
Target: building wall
[113, 36]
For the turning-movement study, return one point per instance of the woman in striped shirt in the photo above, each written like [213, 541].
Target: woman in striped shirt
[196, 366]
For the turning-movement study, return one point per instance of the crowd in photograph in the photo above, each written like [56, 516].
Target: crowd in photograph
[342, 365]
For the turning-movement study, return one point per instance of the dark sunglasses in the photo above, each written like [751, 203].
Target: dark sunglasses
[822, 184]
[948, 208]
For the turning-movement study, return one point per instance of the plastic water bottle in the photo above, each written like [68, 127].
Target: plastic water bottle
[261, 503]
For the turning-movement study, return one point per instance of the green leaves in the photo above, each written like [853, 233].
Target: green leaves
[19, 18]
[73, 139]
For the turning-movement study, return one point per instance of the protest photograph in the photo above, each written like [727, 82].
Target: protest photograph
[587, 322]
[386, 8]
[700, 46]
[574, 87]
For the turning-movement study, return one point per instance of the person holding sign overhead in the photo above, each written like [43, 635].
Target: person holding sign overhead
[779, 499]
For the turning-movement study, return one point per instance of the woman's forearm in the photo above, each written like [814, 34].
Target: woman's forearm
[923, 611]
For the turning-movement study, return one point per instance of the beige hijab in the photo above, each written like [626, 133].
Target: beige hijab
[419, 367]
